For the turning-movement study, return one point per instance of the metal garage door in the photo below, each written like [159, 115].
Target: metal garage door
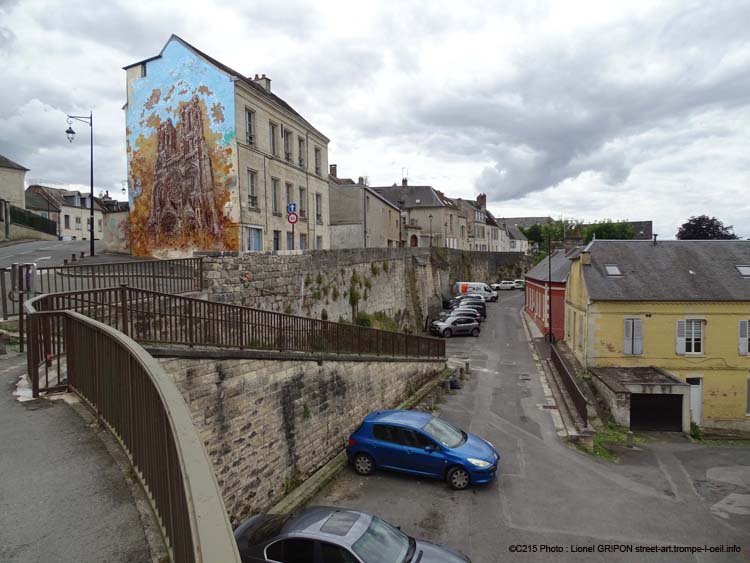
[655, 412]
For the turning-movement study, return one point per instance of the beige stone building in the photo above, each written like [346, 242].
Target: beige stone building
[69, 209]
[12, 177]
[361, 217]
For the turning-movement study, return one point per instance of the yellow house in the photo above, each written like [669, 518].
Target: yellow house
[679, 307]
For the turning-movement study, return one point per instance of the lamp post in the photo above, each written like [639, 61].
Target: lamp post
[445, 236]
[430, 218]
[71, 135]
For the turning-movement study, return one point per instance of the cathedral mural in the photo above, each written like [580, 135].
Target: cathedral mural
[181, 156]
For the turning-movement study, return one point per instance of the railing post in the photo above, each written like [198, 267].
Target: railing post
[200, 274]
[124, 308]
[4, 296]
[191, 336]
[21, 319]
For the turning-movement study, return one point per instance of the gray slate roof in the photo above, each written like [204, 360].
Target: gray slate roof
[695, 270]
[524, 221]
[561, 262]
[5, 162]
[514, 232]
[409, 195]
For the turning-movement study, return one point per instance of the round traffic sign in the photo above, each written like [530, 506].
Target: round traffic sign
[292, 217]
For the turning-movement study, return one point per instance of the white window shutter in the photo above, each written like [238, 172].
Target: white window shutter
[627, 337]
[743, 330]
[637, 337]
[681, 338]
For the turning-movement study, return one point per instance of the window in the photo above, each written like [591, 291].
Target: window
[690, 336]
[252, 189]
[319, 208]
[632, 344]
[78, 223]
[287, 134]
[254, 239]
[289, 240]
[277, 240]
[67, 221]
[293, 550]
[100, 225]
[319, 242]
[744, 271]
[463, 231]
[275, 195]
[302, 202]
[744, 337]
[317, 161]
[272, 137]
[301, 151]
[302, 241]
[612, 270]
[289, 190]
[335, 554]
[249, 126]
[382, 432]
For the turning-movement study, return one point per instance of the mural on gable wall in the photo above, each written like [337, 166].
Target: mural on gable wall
[181, 158]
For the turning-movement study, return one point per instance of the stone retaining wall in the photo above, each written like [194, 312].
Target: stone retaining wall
[270, 424]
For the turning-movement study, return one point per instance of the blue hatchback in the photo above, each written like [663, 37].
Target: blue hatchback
[421, 444]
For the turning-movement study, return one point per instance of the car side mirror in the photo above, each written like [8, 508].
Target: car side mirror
[429, 449]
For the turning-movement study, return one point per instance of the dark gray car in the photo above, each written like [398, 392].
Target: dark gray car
[455, 325]
[323, 534]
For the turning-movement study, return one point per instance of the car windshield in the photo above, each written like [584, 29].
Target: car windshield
[445, 433]
[382, 543]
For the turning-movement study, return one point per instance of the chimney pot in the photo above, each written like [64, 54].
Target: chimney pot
[404, 181]
[332, 170]
[361, 180]
[256, 77]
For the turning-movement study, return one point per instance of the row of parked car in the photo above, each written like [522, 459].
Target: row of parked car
[411, 442]
[462, 316]
[508, 284]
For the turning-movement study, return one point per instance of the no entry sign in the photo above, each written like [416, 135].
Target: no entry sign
[292, 218]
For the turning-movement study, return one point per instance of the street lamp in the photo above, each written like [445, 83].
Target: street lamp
[71, 135]
[430, 218]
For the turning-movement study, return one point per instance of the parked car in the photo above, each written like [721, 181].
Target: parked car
[475, 287]
[421, 444]
[455, 325]
[504, 285]
[461, 311]
[520, 284]
[322, 534]
[477, 305]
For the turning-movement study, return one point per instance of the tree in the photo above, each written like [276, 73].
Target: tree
[608, 229]
[704, 227]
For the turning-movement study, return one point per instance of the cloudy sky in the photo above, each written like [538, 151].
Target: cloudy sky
[623, 110]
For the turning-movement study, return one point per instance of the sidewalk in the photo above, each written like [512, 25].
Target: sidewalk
[63, 497]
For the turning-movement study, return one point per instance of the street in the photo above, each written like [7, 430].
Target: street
[44, 252]
[550, 501]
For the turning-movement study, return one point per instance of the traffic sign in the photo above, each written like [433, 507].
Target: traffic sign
[292, 217]
[291, 207]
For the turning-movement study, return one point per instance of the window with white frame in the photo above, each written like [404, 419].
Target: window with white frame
[252, 189]
[288, 145]
[302, 202]
[690, 336]
[272, 137]
[317, 160]
[289, 240]
[319, 242]
[78, 223]
[301, 151]
[275, 195]
[249, 126]
[319, 209]
[743, 334]
[254, 239]
[302, 241]
[632, 342]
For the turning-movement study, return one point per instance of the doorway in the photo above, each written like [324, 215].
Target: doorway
[696, 398]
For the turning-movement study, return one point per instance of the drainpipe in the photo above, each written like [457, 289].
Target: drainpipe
[364, 215]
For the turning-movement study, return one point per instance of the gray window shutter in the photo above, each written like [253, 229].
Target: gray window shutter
[637, 337]
[681, 338]
[742, 330]
[627, 340]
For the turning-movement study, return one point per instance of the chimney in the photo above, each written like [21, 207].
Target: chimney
[482, 201]
[361, 180]
[403, 181]
[264, 81]
[332, 170]
[585, 258]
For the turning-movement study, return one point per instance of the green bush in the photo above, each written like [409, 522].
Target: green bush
[368, 284]
[308, 280]
[374, 269]
[363, 319]
[335, 293]
[696, 432]
[319, 279]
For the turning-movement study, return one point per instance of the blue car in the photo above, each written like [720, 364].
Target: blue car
[421, 444]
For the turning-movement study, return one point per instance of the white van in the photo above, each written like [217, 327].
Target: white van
[475, 287]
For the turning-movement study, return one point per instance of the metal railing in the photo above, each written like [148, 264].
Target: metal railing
[151, 317]
[579, 399]
[181, 275]
[133, 397]
[32, 220]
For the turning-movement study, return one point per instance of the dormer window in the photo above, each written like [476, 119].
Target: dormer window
[612, 270]
[743, 270]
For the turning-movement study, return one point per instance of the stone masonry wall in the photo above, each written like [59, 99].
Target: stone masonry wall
[405, 284]
[269, 424]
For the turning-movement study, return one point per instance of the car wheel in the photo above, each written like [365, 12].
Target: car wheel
[364, 464]
[458, 478]
[447, 333]
[475, 332]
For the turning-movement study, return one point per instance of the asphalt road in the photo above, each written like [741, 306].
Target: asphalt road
[552, 502]
[43, 252]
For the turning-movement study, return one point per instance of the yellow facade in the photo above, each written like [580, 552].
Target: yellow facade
[595, 333]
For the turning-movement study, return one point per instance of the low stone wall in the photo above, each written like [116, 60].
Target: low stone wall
[405, 284]
[270, 424]
[22, 232]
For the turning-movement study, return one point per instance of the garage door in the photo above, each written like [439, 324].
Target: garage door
[655, 412]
